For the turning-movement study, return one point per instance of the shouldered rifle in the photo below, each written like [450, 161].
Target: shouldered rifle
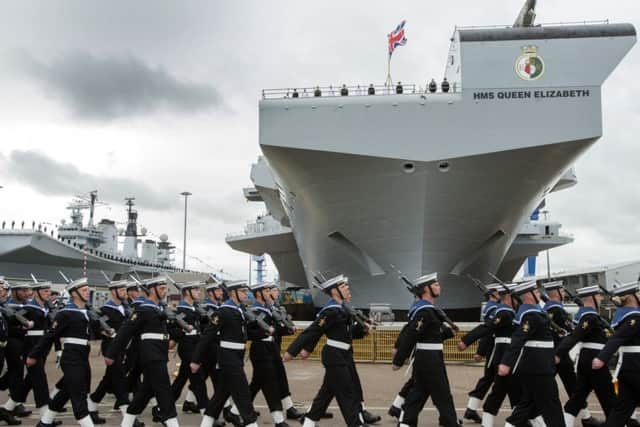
[177, 318]
[357, 315]
[609, 295]
[94, 316]
[281, 316]
[576, 299]
[485, 292]
[11, 313]
[249, 314]
[439, 312]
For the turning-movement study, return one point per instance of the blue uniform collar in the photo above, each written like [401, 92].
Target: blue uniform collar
[582, 311]
[419, 305]
[259, 305]
[550, 304]
[330, 304]
[524, 309]
[412, 308]
[489, 306]
[503, 307]
[111, 303]
[621, 314]
[229, 303]
[210, 303]
[185, 304]
[73, 306]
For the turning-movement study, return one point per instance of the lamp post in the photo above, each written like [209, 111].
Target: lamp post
[186, 194]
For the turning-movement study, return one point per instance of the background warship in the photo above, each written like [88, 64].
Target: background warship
[443, 181]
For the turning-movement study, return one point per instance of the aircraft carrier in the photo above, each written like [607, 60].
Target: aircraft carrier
[432, 181]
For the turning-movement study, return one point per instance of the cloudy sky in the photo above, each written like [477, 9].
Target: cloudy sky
[151, 98]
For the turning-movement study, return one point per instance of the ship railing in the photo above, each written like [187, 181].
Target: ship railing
[333, 91]
[545, 24]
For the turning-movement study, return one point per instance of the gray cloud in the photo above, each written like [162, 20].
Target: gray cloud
[50, 177]
[106, 88]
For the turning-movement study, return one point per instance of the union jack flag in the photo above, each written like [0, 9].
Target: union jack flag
[397, 38]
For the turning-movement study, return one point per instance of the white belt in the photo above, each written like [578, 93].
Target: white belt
[154, 336]
[3, 344]
[77, 341]
[192, 332]
[35, 333]
[267, 339]
[503, 340]
[622, 350]
[230, 345]
[338, 344]
[539, 344]
[589, 345]
[429, 346]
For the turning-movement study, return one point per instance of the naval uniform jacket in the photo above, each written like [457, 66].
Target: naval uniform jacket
[626, 340]
[263, 346]
[16, 329]
[149, 323]
[532, 349]
[499, 325]
[39, 315]
[4, 334]
[187, 341]
[588, 334]
[340, 328]
[116, 315]
[229, 326]
[485, 346]
[426, 332]
[560, 317]
[73, 328]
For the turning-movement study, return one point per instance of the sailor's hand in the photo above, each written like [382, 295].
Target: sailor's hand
[503, 370]
[556, 359]
[108, 332]
[189, 328]
[287, 357]
[597, 364]
[304, 354]
[172, 344]
[29, 325]
[461, 346]
[395, 367]
[30, 361]
[195, 367]
[58, 357]
[477, 358]
[272, 330]
[108, 361]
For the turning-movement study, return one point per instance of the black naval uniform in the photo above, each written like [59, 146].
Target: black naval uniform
[626, 340]
[210, 366]
[4, 336]
[14, 353]
[114, 379]
[36, 376]
[187, 342]
[426, 332]
[132, 365]
[485, 348]
[565, 368]
[531, 357]
[229, 326]
[590, 337]
[72, 326]
[283, 381]
[263, 354]
[149, 322]
[499, 324]
[340, 328]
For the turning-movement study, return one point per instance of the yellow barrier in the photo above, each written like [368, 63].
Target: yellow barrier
[377, 347]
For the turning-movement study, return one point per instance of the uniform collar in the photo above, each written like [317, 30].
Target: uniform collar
[185, 304]
[524, 309]
[259, 305]
[581, 312]
[622, 313]
[550, 304]
[210, 303]
[112, 303]
[420, 305]
[490, 305]
[504, 307]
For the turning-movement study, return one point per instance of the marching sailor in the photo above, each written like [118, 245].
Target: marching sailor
[5, 415]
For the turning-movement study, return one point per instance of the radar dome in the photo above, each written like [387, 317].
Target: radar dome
[143, 231]
[164, 237]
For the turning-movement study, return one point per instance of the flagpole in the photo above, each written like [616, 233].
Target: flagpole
[389, 82]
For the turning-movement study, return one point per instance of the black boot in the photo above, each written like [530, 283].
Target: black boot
[370, 418]
[138, 423]
[21, 411]
[282, 424]
[394, 411]
[217, 423]
[592, 422]
[632, 422]
[472, 415]
[155, 414]
[56, 423]
[294, 414]
[41, 424]
[97, 419]
[8, 418]
[190, 407]
[326, 415]
[231, 417]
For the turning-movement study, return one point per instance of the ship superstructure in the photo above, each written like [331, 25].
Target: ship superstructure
[434, 181]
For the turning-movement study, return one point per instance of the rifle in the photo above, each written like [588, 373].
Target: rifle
[614, 299]
[485, 292]
[177, 318]
[10, 313]
[92, 314]
[250, 315]
[281, 316]
[439, 312]
[360, 318]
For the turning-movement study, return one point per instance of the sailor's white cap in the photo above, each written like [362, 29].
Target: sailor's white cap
[154, 281]
[132, 285]
[262, 285]
[498, 287]
[16, 286]
[41, 285]
[119, 284]
[588, 291]
[238, 284]
[3, 283]
[189, 285]
[552, 286]
[78, 283]
[625, 289]
[333, 282]
[211, 286]
[522, 288]
[427, 279]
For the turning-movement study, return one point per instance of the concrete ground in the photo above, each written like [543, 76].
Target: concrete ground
[379, 381]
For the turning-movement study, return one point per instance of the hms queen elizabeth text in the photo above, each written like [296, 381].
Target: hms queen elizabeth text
[531, 94]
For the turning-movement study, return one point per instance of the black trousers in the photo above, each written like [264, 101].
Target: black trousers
[283, 381]
[77, 380]
[566, 372]
[15, 367]
[404, 391]
[502, 386]
[338, 382]
[539, 395]
[484, 383]
[4, 382]
[196, 381]
[265, 378]
[232, 382]
[114, 381]
[628, 399]
[36, 380]
[599, 381]
[434, 383]
[155, 383]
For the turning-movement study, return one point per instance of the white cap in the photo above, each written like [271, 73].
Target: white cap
[41, 285]
[154, 281]
[333, 282]
[522, 288]
[118, 284]
[262, 285]
[78, 283]
[189, 285]
[625, 289]
[238, 284]
[588, 291]
[552, 286]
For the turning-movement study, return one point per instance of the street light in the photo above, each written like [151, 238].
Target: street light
[184, 246]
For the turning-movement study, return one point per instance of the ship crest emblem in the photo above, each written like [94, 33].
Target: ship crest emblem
[530, 66]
